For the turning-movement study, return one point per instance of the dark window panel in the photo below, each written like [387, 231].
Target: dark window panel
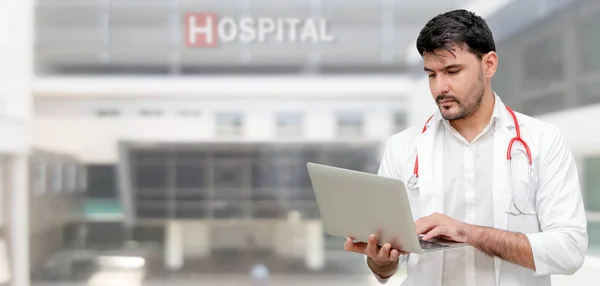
[546, 103]
[268, 209]
[307, 209]
[588, 93]
[191, 194]
[190, 176]
[591, 184]
[228, 176]
[192, 210]
[228, 209]
[152, 211]
[101, 181]
[151, 176]
[263, 176]
[543, 63]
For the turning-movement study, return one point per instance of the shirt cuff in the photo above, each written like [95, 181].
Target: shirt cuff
[539, 256]
[401, 259]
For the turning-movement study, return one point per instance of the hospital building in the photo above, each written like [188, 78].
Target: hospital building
[116, 137]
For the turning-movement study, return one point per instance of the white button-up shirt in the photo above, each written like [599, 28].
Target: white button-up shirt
[468, 198]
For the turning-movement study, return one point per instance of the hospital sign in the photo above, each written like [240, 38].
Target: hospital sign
[208, 30]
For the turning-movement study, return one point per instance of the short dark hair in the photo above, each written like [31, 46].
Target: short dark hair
[458, 27]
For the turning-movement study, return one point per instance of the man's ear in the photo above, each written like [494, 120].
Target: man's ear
[489, 63]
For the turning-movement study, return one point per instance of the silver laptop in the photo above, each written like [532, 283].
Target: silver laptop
[357, 204]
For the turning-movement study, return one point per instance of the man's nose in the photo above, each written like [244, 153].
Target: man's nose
[441, 85]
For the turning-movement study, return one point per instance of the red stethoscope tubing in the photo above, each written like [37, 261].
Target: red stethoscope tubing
[517, 138]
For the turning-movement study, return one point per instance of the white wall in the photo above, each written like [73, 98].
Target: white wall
[422, 104]
[283, 237]
[579, 128]
[15, 74]
[251, 87]
[69, 125]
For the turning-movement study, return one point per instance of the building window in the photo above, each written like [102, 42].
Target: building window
[591, 183]
[108, 112]
[543, 63]
[71, 172]
[591, 197]
[587, 42]
[101, 181]
[350, 124]
[228, 178]
[229, 124]
[39, 176]
[504, 81]
[588, 93]
[400, 121]
[82, 178]
[57, 177]
[189, 113]
[151, 112]
[547, 103]
[65, 176]
[289, 125]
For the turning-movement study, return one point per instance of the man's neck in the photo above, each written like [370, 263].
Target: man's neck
[472, 126]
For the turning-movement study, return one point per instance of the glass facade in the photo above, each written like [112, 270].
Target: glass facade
[229, 124]
[249, 180]
[289, 124]
[591, 184]
[552, 65]
[151, 37]
[350, 124]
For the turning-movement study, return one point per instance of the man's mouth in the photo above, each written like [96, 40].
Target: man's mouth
[446, 101]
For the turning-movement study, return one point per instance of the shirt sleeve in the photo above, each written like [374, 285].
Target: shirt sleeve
[403, 260]
[561, 245]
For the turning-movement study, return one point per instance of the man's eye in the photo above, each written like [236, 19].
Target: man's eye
[431, 75]
[453, 72]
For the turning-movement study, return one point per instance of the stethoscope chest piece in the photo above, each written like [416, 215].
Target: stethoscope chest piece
[413, 183]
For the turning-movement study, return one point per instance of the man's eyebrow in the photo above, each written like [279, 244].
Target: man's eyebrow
[444, 68]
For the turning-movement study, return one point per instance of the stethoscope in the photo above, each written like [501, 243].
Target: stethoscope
[413, 182]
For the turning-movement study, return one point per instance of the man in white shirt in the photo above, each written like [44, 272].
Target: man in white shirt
[520, 226]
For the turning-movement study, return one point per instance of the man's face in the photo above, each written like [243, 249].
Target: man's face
[456, 81]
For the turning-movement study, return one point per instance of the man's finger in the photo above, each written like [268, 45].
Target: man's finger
[425, 225]
[423, 219]
[384, 252]
[394, 255]
[435, 232]
[352, 246]
[372, 246]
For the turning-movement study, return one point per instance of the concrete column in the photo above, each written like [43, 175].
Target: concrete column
[173, 245]
[19, 219]
[196, 239]
[315, 245]
[5, 267]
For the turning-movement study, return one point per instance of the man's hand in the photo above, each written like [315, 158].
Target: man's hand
[510, 246]
[439, 225]
[382, 260]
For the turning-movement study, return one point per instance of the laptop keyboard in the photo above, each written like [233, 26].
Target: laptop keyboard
[430, 244]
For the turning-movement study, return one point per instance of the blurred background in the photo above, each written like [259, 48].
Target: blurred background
[130, 158]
